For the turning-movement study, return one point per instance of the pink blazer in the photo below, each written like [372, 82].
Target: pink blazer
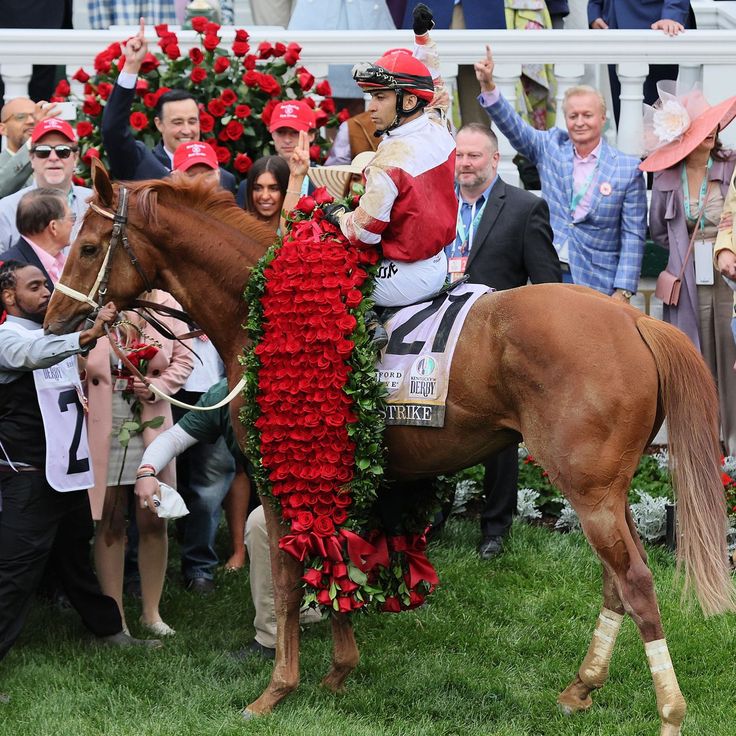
[168, 371]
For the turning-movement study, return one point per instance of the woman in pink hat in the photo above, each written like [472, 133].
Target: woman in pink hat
[691, 179]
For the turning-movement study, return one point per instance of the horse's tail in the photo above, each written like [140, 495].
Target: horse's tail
[690, 402]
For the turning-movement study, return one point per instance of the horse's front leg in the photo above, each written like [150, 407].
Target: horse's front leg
[345, 653]
[286, 573]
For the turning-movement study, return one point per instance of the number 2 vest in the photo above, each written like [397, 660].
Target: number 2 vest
[58, 390]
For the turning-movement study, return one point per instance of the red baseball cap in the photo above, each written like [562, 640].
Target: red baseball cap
[53, 125]
[191, 154]
[294, 114]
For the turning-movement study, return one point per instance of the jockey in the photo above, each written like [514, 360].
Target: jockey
[408, 207]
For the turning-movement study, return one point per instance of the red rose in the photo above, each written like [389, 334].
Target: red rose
[242, 111]
[167, 39]
[198, 75]
[173, 51]
[292, 53]
[103, 62]
[196, 55]
[279, 49]
[242, 163]
[62, 89]
[234, 130]
[240, 48]
[114, 50]
[162, 29]
[223, 154]
[216, 107]
[222, 64]
[339, 516]
[251, 78]
[89, 154]
[104, 90]
[305, 79]
[206, 122]
[322, 196]
[391, 605]
[211, 28]
[320, 118]
[269, 85]
[315, 153]
[310, 101]
[345, 604]
[228, 97]
[84, 128]
[211, 42]
[306, 204]
[141, 86]
[78, 181]
[323, 526]
[328, 105]
[250, 62]
[268, 111]
[138, 120]
[343, 115]
[150, 99]
[312, 577]
[91, 106]
[342, 500]
[339, 570]
[323, 89]
[199, 23]
[265, 49]
[81, 76]
[323, 598]
[149, 63]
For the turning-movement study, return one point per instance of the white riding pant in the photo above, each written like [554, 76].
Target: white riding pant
[399, 283]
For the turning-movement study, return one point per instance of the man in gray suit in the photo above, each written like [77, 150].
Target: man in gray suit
[17, 119]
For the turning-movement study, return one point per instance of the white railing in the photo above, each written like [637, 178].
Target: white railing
[706, 55]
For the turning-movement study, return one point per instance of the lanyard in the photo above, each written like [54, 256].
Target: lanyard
[577, 197]
[466, 238]
[701, 194]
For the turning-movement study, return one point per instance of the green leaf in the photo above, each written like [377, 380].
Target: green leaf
[357, 575]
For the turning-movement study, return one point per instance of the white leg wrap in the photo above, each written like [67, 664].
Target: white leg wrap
[594, 669]
[670, 703]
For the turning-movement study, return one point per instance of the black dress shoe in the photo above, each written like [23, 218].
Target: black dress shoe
[254, 649]
[490, 547]
[123, 640]
[203, 586]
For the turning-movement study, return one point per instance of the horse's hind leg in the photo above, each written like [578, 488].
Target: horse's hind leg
[611, 536]
[345, 653]
[593, 671]
[286, 572]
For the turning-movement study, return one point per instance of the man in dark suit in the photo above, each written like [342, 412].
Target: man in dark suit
[177, 120]
[45, 223]
[504, 240]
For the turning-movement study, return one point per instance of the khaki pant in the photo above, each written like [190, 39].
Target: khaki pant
[272, 12]
[261, 584]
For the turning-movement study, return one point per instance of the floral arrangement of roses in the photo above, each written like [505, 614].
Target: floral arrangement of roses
[314, 414]
[236, 89]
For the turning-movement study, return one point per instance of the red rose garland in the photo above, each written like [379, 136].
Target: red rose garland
[314, 413]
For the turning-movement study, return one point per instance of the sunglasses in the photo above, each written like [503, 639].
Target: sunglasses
[62, 151]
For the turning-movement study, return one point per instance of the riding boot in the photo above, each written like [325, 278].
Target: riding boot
[379, 336]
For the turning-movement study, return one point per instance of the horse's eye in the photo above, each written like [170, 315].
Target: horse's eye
[89, 250]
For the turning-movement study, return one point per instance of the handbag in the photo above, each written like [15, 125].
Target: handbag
[668, 285]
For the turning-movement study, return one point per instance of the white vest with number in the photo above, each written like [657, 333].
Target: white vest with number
[68, 464]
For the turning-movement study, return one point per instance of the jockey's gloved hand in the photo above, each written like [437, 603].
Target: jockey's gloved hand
[333, 213]
[423, 19]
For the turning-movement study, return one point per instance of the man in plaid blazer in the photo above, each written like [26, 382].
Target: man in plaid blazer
[596, 194]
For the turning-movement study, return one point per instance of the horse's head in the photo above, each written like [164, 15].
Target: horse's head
[102, 265]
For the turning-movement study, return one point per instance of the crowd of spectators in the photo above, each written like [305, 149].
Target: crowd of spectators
[588, 227]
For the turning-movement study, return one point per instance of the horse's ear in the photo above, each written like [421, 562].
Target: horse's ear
[101, 182]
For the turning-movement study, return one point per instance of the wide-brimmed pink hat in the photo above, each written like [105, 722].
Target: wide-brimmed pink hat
[678, 122]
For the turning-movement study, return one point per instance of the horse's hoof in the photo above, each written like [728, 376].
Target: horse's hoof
[248, 715]
[574, 699]
[669, 729]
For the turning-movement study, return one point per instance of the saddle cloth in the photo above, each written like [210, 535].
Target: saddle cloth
[415, 365]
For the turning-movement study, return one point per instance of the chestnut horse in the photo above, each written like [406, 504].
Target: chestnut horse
[585, 380]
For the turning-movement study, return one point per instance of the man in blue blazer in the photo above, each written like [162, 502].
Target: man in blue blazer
[669, 16]
[596, 193]
[177, 119]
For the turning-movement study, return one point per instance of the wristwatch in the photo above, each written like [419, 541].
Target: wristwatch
[626, 293]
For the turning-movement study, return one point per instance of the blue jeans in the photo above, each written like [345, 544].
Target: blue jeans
[204, 474]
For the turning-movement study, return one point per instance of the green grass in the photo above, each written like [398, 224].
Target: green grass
[487, 657]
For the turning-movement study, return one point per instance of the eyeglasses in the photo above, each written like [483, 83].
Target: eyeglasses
[19, 117]
[62, 151]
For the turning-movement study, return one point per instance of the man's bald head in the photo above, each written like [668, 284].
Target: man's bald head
[17, 121]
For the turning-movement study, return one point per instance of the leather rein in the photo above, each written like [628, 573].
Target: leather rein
[119, 236]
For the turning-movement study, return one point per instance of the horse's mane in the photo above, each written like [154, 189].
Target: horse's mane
[199, 196]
